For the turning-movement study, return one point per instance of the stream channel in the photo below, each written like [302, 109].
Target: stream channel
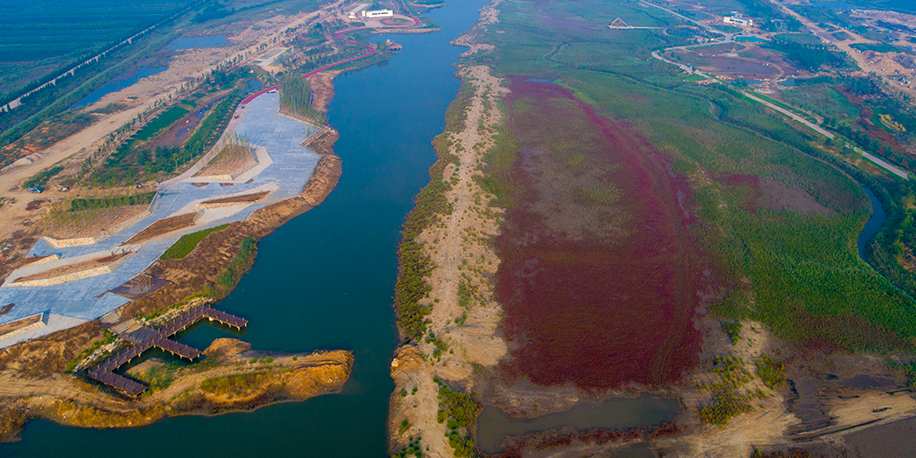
[874, 223]
[322, 281]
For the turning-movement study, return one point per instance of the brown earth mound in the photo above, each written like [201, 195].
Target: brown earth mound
[73, 268]
[230, 159]
[18, 324]
[247, 198]
[162, 227]
[87, 223]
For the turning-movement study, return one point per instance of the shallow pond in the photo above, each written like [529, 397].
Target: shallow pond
[494, 426]
[123, 81]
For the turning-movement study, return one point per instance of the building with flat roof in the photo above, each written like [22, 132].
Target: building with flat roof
[377, 13]
[738, 20]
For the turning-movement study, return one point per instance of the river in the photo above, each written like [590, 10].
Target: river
[324, 280]
[873, 225]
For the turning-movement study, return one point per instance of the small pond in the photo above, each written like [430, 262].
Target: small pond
[123, 81]
[494, 426]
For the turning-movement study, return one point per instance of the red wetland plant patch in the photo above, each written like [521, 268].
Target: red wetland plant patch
[599, 276]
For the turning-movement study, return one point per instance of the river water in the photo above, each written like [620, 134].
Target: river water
[873, 225]
[324, 280]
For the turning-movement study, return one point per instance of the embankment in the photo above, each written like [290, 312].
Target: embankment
[36, 367]
[232, 378]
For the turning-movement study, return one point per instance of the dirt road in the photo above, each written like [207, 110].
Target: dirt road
[855, 54]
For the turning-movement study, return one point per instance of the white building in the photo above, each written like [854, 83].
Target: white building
[357, 10]
[377, 13]
[737, 18]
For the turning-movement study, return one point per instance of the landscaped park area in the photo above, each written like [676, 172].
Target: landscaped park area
[73, 280]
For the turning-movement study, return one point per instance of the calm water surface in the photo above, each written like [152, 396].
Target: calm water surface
[493, 425]
[873, 225]
[324, 280]
[115, 85]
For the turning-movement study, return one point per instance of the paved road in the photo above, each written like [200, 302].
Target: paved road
[788, 113]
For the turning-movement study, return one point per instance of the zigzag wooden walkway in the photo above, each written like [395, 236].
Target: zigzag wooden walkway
[146, 338]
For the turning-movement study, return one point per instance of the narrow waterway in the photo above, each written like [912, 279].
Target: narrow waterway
[324, 280]
[873, 225]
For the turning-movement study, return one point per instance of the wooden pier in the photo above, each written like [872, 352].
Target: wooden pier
[146, 338]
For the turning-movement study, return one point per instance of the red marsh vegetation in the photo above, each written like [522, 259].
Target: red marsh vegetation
[599, 276]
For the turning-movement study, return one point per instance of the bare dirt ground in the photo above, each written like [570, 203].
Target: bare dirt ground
[88, 223]
[162, 227]
[20, 323]
[76, 267]
[247, 198]
[322, 86]
[460, 249]
[230, 159]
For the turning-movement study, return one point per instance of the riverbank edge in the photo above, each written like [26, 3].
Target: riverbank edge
[685, 436]
[252, 384]
[42, 361]
[447, 313]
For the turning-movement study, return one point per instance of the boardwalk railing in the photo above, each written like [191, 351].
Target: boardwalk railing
[146, 338]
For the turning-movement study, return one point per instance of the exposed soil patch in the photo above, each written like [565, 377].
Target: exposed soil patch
[598, 275]
[322, 86]
[247, 198]
[751, 65]
[30, 260]
[162, 227]
[73, 268]
[35, 204]
[18, 324]
[88, 223]
[230, 159]
[324, 143]
[780, 196]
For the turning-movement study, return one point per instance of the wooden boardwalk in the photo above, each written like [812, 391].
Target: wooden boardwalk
[146, 338]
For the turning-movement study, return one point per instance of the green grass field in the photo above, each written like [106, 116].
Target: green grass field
[186, 243]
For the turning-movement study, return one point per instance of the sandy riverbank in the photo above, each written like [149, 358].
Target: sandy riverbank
[467, 327]
[458, 245]
[228, 381]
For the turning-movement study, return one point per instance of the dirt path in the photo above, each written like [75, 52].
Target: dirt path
[460, 248]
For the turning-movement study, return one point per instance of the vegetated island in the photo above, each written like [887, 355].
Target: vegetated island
[604, 225]
[45, 377]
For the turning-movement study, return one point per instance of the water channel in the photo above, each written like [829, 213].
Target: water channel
[873, 225]
[322, 281]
